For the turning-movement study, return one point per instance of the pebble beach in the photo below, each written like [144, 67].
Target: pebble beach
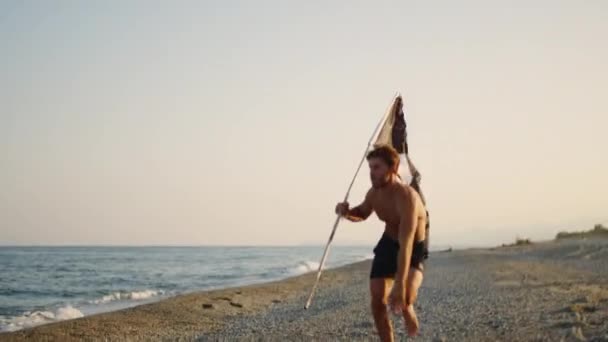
[548, 291]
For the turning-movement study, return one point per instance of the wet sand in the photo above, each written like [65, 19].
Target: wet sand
[548, 291]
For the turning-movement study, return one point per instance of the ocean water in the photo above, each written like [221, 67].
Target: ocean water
[40, 285]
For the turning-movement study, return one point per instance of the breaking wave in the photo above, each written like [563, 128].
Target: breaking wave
[368, 256]
[30, 319]
[135, 295]
[306, 266]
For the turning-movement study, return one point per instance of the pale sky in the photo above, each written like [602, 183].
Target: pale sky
[241, 122]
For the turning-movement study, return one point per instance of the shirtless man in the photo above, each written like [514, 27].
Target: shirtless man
[401, 208]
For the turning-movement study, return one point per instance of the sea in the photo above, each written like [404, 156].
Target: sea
[40, 285]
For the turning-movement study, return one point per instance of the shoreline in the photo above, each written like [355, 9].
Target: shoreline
[131, 290]
[543, 291]
[90, 307]
[113, 307]
[207, 309]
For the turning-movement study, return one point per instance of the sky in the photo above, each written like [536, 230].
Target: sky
[242, 122]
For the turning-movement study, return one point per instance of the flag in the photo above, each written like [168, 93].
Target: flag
[394, 133]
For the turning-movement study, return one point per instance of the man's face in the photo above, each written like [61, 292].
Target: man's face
[379, 172]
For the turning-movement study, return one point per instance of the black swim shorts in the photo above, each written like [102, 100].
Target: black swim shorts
[386, 252]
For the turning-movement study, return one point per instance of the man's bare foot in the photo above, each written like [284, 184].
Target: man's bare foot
[411, 321]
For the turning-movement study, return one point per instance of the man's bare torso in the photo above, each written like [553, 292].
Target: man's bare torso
[383, 203]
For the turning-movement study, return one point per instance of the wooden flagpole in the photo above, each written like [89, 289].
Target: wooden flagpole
[335, 226]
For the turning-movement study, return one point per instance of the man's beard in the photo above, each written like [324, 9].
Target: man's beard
[379, 183]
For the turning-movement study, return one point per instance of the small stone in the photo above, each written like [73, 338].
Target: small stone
[237, 305]
[208, 306]
[577, 333]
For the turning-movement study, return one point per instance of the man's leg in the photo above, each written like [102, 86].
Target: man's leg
[414, 280]
[380, 289]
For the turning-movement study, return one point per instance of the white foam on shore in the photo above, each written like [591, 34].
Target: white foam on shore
[306, 266]
[368, 256]
[134, 295]
[30, 319]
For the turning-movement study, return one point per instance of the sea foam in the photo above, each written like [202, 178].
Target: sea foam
[30, 319]
[306, 266]
[134, 295]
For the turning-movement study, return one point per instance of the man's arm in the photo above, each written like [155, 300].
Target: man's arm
[406, 206]
[360, 212]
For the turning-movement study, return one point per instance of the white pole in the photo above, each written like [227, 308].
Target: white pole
[333, 231]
